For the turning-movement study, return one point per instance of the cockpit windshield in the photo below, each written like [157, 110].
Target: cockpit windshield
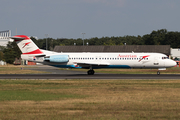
[165, 58]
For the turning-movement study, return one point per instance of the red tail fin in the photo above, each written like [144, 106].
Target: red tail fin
[26, 45]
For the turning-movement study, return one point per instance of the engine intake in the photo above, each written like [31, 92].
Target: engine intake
[57, 58]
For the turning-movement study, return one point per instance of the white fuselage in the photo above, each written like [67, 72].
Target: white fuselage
[108, 60]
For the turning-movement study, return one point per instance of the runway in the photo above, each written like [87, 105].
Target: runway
[84, 76]
[56, 73]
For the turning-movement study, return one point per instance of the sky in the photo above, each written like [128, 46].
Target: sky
[95, 18]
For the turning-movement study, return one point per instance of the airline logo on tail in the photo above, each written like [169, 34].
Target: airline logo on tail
[25, 44]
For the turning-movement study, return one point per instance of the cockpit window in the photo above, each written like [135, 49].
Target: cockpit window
[165, 58]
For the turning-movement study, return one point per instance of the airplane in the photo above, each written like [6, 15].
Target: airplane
[91, 61]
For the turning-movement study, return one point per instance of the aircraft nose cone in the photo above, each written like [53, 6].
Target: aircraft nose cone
[170, 63]
[174, 63]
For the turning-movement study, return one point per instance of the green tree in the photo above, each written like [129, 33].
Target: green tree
[1, 55]
[156, 37]
[173, 39]
[11, 52]
[110, 42]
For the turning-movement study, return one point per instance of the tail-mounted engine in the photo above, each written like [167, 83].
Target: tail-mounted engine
[57, 58]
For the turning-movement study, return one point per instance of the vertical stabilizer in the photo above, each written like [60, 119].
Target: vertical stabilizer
[26, 45]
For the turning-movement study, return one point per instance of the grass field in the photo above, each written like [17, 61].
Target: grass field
[19, 69]
[89, 99]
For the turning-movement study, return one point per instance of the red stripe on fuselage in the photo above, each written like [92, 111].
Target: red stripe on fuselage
[145, 56]
[38, 51]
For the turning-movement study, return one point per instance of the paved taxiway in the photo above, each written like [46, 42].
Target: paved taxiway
[84, 76]
[56, 73]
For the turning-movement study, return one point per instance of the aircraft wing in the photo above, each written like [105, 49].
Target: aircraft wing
[87, 64]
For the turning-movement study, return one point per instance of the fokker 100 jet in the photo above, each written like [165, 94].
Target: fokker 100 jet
[91, 61]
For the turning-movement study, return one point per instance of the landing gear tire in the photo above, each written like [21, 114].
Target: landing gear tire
[158, 73]
[90, 72]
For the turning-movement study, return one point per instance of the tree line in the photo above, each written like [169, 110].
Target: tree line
[159, 37]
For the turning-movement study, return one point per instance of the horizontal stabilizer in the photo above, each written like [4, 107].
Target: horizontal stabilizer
[17, 38]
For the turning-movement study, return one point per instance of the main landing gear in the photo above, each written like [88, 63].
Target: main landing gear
[90, 72]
